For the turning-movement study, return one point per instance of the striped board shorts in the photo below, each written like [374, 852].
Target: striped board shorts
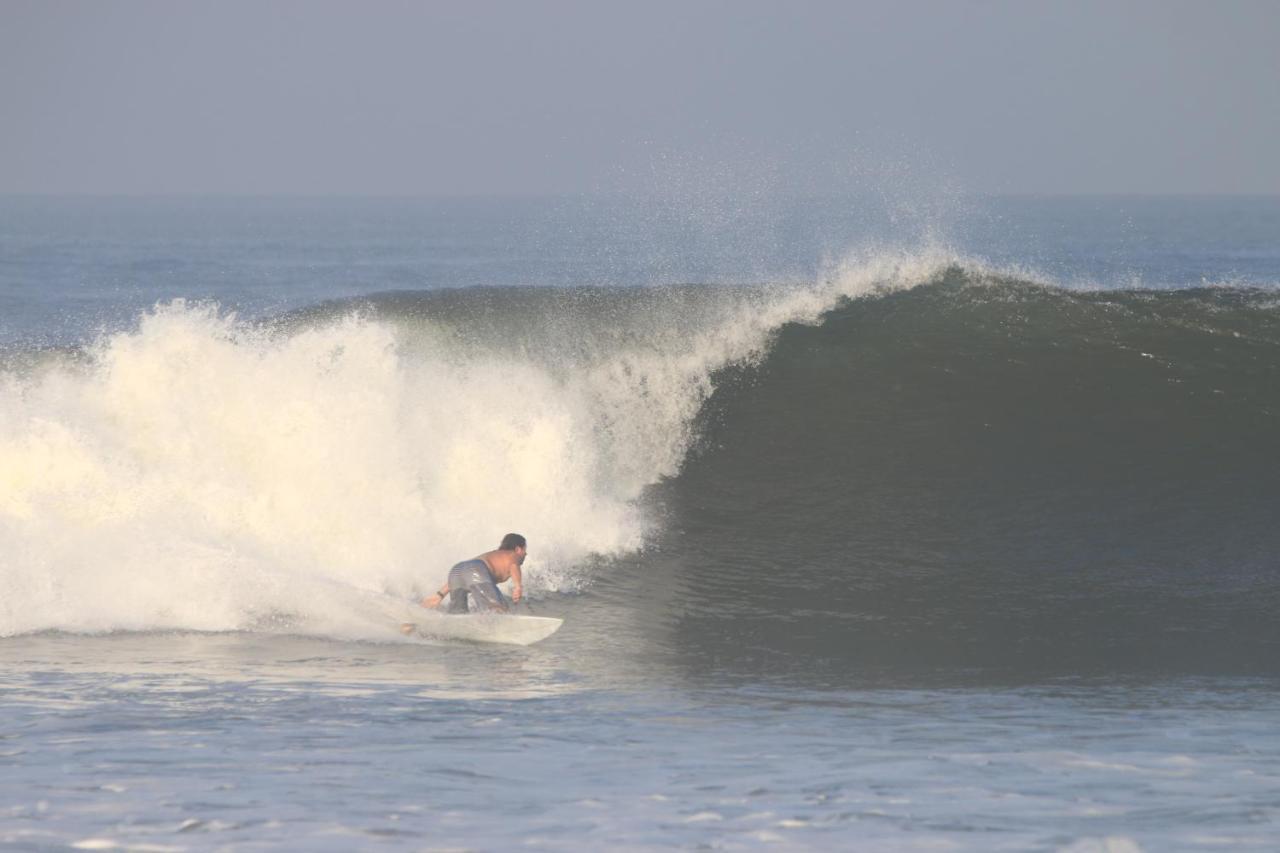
[472, 578]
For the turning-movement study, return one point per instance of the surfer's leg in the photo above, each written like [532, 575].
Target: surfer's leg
[459, 581]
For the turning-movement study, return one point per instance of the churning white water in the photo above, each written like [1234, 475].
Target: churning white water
[202, 472]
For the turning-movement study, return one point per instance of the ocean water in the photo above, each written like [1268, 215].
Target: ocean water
[874, 525]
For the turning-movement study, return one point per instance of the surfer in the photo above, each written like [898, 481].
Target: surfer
[479, 578]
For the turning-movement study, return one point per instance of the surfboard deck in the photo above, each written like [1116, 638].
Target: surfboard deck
[510, 629]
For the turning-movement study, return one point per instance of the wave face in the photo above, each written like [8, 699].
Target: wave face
[916, 462]
[985, 473]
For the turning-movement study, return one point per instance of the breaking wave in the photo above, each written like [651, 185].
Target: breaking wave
[916, 458]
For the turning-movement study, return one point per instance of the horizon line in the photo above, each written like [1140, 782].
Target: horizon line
[494, 196]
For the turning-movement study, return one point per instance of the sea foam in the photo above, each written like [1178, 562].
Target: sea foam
[202, 472]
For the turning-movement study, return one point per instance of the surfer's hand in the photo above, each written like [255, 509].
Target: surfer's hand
[432, 600]
[516, 595]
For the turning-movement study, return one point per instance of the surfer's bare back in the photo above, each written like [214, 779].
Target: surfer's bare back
[479, 578]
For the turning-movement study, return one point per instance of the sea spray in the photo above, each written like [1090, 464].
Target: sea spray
[202, 472]
[199, 473]
[205, 473]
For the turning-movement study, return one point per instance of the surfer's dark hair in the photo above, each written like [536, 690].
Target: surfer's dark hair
[512, 541]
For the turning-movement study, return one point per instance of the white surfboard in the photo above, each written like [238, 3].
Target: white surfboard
[516, 630]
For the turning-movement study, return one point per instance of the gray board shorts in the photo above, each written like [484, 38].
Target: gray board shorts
[472, 578]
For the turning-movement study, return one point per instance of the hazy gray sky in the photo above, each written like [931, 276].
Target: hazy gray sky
[532, 97]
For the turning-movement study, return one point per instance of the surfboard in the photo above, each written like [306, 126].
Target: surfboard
[515, 630]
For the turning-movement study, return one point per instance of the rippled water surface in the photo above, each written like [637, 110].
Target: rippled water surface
[189, 742]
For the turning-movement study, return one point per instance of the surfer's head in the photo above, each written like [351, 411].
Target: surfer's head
[514, 542]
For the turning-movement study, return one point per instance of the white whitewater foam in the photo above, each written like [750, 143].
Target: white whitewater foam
[201, 473]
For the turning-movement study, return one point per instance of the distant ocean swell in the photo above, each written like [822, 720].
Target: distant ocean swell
[1013, 447]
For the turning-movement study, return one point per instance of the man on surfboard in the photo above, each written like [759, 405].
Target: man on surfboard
[479, 579]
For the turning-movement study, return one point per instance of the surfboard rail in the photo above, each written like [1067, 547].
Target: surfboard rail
[505, 628]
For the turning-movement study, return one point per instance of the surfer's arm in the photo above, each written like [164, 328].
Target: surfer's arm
[517, 584]
[434, 600]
